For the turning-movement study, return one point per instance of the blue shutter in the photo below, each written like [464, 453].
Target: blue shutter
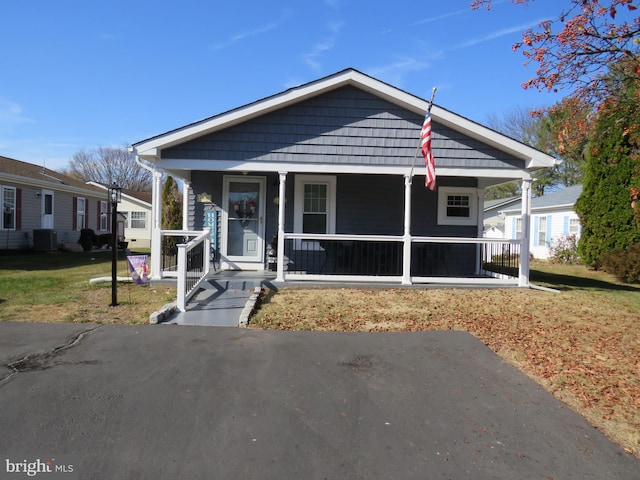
[548, 236]
[566, 224]
[513, 227]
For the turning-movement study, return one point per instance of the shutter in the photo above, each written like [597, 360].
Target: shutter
[548, 236]
[513, 227]
[74, 221]
[536, 231]
[98, 216]
[566, 225]
[18, 219]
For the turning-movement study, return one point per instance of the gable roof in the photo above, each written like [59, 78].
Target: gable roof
[18, 171]
[499, 202]
[150, 148]
[564, 198]
[138, 197]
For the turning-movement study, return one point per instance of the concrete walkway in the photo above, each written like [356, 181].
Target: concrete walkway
[223, 300]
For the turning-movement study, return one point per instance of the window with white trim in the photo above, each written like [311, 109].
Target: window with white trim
[518, 229]
[138, 220]
[574, 226]
[457, 206]
[8, 208]
[542, 230]
[104, 216]
[315, 204]
[81, 213]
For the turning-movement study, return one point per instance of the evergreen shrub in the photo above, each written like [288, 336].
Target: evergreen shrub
[623, 263]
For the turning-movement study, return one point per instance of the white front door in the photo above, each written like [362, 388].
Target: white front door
[46, 209]
[243, 228]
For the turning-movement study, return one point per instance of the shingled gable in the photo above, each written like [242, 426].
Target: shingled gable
[152, 148]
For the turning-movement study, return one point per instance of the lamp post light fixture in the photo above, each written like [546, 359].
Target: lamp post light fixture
[114, 192]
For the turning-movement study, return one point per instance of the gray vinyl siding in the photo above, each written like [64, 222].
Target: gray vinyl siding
[366, 204]
[62, 216]
[344, 126]
[370, 204]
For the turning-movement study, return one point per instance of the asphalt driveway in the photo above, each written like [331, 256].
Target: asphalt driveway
[173, 402]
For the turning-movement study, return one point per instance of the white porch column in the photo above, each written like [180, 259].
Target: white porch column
[156, 226]
[406, 250]
[480, 232]
[186, 195]
[281, 205]
[523, 280]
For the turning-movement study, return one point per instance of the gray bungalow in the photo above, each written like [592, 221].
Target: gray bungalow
[45, 210]
[317, 183]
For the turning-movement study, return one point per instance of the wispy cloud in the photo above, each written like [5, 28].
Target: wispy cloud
[455, 13]
[238, 37]
[395, 72]
[312, 58]
[442, 17]
[496, 34]
[11, 113]
[319, 49]
[261, 30]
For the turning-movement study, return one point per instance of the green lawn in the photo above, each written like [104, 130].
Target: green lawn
[54, 287]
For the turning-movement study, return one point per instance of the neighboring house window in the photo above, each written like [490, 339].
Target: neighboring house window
[315, 204]
[138, 220]
[574, 226]
[104, 216]
[542, 231]
[457, 206]
[518, 227]
[80, 213]
[8, 208]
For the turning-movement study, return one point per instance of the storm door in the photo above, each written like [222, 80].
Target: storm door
[243, 238]
[46, 208]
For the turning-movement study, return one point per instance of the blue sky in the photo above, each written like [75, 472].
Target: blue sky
[82, 74]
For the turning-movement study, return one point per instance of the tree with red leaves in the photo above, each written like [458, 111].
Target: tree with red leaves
[576, 49]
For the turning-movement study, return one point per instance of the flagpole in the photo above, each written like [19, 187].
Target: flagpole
[415, 155]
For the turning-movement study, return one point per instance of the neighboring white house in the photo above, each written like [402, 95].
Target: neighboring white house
[493, 220]
[136, 208]
[552, 216]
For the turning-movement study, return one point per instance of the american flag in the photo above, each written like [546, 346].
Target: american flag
[425, 148]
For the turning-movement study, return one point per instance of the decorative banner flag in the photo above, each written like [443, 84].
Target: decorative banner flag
[425, 148]
[139, 268]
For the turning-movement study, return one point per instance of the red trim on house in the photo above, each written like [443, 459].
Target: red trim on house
[74, 222]
[18, 209]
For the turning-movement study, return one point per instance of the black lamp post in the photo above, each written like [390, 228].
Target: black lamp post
[114, 197]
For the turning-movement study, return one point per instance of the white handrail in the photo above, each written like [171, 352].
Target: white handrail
[186, 289]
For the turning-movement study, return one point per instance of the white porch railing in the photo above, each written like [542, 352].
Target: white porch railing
[190, 262]
[400, 259]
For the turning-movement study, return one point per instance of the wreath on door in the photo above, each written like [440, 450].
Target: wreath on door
[244, 209]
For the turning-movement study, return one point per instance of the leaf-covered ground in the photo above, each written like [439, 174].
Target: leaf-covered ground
[582, 345]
